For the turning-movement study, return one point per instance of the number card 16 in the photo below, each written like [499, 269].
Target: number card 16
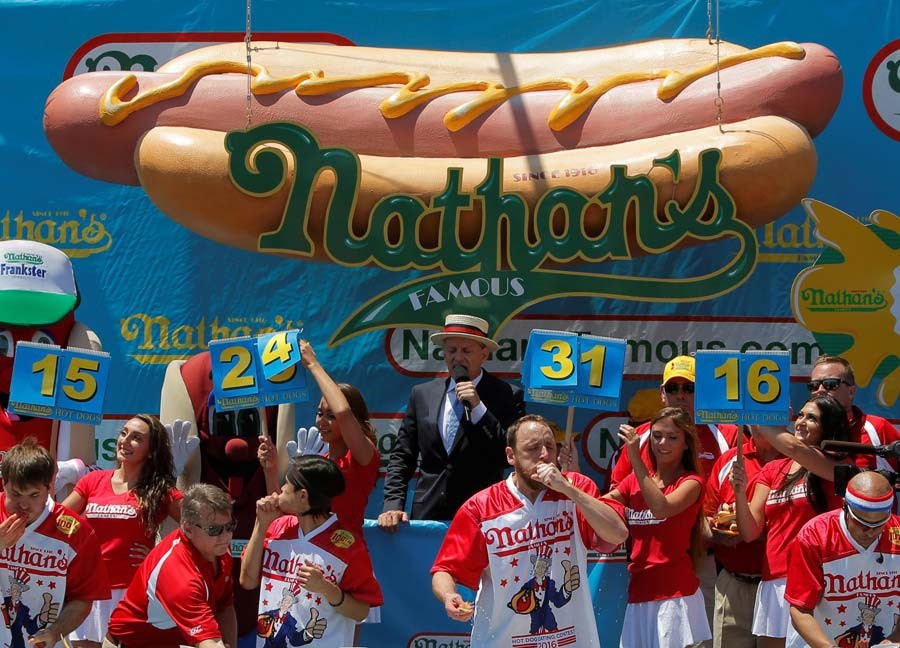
[255, 372]
[63, 384]
[564, 368]
[735, 387]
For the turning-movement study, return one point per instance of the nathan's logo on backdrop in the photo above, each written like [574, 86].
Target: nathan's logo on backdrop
[439, 641]
[500, 274]
[789, 242]
[881, 89]
[158, 340]
[860, 300]
[850, 299]
[79, 236]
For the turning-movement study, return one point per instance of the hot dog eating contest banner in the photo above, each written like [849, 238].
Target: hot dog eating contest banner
[594, 167]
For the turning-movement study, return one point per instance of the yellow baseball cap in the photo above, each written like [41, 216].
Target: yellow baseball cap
[680, 367]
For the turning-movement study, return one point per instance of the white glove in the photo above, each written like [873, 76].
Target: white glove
[183, 445]
[309, 442]
[68, 473]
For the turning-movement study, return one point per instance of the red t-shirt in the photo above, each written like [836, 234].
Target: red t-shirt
[174, 597]
[350, 506]
[661, 566]
[744, 557]
[785, 514]
[117, 521]
[714, 439]
[874, 430]
[837, 578]
[55, 561]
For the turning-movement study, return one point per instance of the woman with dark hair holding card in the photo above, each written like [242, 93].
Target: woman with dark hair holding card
[786, 494]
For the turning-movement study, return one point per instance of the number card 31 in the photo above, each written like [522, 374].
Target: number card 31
[735, 387]
[564, 368]
[63, 384]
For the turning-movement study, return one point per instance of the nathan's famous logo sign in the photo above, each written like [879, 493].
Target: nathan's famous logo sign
[850, 299]
[501, 193]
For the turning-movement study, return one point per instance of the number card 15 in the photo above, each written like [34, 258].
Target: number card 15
[255, 372]
[564, 368]
[64, 384]
[735, 387]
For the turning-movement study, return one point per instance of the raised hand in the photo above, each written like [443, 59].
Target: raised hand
[11, 529]
[267, 510]
[309, 442]
[183, 445]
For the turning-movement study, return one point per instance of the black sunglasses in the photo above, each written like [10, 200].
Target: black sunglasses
[674, 388]
[830, 384]
[215, 530]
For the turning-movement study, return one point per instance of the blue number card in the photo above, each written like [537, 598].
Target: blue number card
[744, 388]
[63, 384]
[564, 368]
[256, 372]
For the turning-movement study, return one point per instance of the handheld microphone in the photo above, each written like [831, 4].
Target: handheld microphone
[461, 374]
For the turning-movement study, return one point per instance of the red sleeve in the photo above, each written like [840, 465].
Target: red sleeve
[711, 490]
[588, 536]
[359, 580]
[805, 578]
[86, 485]
[86, 578]
[463, 554]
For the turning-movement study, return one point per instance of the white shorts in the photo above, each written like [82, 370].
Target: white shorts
[669, 623]
[771, 613]
[97, 621]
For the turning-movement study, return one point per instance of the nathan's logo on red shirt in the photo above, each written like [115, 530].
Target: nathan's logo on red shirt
[67, 524]
[876, 583]
[342, 539]
[545, 529]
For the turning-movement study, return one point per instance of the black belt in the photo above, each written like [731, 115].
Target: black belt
[750, 579]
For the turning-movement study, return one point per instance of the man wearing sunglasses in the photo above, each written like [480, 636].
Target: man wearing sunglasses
[677, 390]
[833, 375]
[844, 563]
[183, 592]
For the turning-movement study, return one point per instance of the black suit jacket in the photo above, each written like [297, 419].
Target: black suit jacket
[476, 460]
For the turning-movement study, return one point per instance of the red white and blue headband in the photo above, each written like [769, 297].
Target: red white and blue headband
[869, 503]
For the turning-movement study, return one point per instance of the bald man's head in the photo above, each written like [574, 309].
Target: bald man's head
[871, 484]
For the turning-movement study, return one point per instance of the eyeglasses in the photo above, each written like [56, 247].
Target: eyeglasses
[215, 530]
[867, 523]
[830, 384]
[674, 388]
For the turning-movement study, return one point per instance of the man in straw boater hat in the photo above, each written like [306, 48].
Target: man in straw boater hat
[844, 565]
[457, 425]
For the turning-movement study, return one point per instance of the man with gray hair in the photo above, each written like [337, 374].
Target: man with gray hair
[183, 592]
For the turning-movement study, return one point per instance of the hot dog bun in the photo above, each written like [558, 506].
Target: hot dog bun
[635, 92]
[768, 165]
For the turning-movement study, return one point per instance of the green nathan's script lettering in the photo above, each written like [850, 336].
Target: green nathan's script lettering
[512, 238]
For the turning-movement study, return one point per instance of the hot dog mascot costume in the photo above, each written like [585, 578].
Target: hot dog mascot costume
[227, 454]
[38, 298]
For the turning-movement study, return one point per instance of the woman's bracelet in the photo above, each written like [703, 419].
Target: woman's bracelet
[340, 601]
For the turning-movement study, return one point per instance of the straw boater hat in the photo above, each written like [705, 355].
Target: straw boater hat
[465, 326]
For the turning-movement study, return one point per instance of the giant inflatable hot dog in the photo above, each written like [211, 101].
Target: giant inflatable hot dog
[557, 120]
